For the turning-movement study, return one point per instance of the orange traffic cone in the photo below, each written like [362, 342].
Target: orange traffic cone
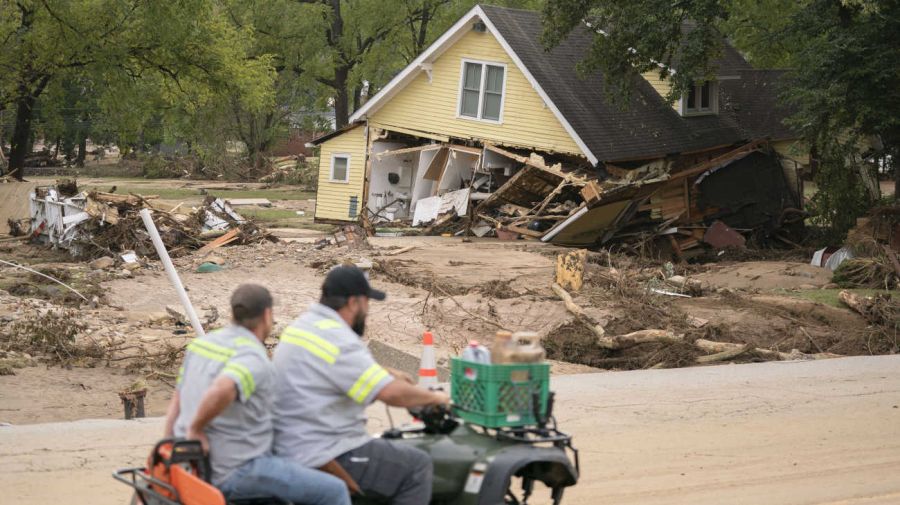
[427, 370]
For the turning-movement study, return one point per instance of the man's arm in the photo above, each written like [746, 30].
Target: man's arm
[402, 394]
[218, 397]
[172, 414]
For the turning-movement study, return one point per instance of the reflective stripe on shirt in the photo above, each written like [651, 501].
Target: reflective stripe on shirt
[313, 343]
[363, 386]
[327, 324]
[244, 376]
[210, 350]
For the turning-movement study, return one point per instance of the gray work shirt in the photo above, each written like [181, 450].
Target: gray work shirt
[325, 378]
[244, 430]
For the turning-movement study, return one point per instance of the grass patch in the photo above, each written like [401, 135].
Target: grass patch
[177, 189]
[830, 296]
[266, 215]
[284, 218]
[170, 193]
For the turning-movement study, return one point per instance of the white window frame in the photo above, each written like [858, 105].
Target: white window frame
[462, 80]
[331, 171]
[713, 101]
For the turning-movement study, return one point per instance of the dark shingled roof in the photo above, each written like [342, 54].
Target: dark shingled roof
[648, 127]
[752, 101]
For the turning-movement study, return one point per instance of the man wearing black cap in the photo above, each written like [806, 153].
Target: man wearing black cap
[224, 399]
[325, 379]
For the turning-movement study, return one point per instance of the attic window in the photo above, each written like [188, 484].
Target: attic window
[701, 99]
[481, 90]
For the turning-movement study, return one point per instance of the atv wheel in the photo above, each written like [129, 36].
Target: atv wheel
[526, 489]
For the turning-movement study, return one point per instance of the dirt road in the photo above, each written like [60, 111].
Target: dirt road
[823, 432]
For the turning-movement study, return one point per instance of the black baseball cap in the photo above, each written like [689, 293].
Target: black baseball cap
[348, 280]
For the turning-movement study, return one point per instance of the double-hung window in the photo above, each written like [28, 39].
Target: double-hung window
[701, 99]
[481, 90]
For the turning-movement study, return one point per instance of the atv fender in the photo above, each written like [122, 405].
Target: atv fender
[549, 465]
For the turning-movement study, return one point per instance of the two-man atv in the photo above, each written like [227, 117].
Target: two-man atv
[472, 465]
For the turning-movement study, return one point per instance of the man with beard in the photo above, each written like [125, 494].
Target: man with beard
[325, 379]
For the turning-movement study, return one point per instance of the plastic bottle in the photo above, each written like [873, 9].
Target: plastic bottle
[528, 347]
[503, 348]
[477, 353]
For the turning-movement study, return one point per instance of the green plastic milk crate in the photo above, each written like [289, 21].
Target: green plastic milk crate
[501, 395]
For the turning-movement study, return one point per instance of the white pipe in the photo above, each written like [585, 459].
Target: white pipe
[170, 270]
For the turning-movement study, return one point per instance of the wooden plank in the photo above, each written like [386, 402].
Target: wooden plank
[405, 150]
[229, 237]
[524, 231]
[703, 167]
[436, 168]
[465, 149]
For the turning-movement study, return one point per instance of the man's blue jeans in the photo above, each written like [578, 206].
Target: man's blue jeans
[282, 478]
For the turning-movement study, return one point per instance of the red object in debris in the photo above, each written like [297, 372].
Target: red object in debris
[720, 236]
[507, 235]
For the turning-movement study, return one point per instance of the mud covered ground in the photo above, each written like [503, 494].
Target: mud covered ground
[458, 290]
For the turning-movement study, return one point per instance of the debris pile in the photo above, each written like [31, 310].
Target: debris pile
[94, 224]
[869, 257]
[647, 322]
[721, 199]
[53, 333]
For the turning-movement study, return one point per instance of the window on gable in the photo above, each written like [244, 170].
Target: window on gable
[701, 99]
[340, 168]
[481, 91]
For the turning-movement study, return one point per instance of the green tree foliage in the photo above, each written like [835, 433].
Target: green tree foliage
[190, 48]
[844, 57]
[847, 97]
[642, 35]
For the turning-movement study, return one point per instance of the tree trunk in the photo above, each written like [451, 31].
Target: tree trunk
[82, 152]
[342, 97]
[20, 146]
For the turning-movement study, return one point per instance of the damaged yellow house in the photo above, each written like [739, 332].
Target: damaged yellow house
[486, 93]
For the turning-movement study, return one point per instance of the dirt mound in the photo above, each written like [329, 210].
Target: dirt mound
[765, 275]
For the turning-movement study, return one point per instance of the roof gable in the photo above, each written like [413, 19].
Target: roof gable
[435, 50]
[646, 127]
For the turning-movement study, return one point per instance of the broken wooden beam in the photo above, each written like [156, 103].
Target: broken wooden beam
[725, 355]
[401, 250]
[639, 337]
[578, 312]
[227, 238]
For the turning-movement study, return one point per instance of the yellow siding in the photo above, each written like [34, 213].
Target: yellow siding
[432, 107]
[333, 198]
[662, 86]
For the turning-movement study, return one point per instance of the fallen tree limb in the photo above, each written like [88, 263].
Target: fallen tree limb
[459, 305]
[722, 347]
[725, 355]
[638, 337]
[578, 312]
[853, 301]
[401, 250]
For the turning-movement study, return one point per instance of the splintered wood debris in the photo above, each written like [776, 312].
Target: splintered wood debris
[94, 224]
[678, 203]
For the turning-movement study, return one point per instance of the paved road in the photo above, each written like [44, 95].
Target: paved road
[825, 432]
